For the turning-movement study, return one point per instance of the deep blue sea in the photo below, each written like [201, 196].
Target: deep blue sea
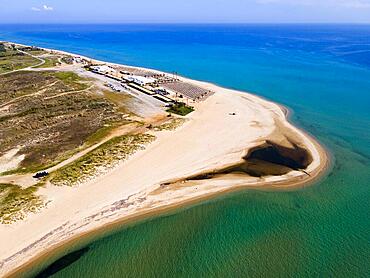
[322, 72]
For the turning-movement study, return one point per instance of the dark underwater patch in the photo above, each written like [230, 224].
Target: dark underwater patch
[63, 262]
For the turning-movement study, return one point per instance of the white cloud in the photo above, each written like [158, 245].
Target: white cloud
[45, 8]
[322, 3]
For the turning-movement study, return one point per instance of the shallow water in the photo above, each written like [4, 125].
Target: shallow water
[323, 74]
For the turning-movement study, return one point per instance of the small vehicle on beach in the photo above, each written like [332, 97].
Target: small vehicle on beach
[40, 175]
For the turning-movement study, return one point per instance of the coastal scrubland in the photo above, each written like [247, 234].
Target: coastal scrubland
[49, 114]
[16, 202]
[50, 61]
[171, 124]
[35, 51]
[100, 159]
[47, 117]
[11, 59]
[180, 108]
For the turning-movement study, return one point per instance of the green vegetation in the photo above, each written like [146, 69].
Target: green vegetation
[180, 108]
[120, 100]
[99, 160]
[51, 116]
[50, 62]
[116, 97]
[67, 76]
[173, 124]
[16, 202]
[102, 133]
[49, 125]
[36, 52]
[72, 79]
[13, 60]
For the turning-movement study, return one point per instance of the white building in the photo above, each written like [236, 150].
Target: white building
[140, 80]
[103, 69]
[78, 60]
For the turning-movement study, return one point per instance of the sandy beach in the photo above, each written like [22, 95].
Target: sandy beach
[219, 133]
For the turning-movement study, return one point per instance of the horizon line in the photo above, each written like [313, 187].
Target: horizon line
[187, 23]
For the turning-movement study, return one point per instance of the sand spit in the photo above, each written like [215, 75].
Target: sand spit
[221, 133]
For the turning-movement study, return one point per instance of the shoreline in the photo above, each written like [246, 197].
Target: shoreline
[290, 183]
[113, 227]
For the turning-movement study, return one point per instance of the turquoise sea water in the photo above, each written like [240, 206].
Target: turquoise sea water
[322, 72]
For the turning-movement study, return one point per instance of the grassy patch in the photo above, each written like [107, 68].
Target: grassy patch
[101, 133]
[16, 202]
[67, 76]
[173, 124]
[48, 127]
[119, 99]
[32, 163]
[37, 52]
[72, 79]
[181, 109]
[101, 159]
[50, 62]
[13, 60]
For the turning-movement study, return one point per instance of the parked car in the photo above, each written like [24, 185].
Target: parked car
[40, 175]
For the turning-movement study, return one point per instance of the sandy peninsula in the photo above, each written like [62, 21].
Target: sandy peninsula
[221, 133]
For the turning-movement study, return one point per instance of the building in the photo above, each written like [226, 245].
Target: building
[103, 69]
[140, 80]
[79, 60]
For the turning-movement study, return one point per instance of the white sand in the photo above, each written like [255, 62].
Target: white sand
[10, 160]
[211, 138]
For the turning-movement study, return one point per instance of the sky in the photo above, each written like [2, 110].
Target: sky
[185, 11]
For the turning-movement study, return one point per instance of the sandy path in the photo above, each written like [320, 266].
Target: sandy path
[42, 61]
[70, 92]
[39, 92]
[26, 180]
